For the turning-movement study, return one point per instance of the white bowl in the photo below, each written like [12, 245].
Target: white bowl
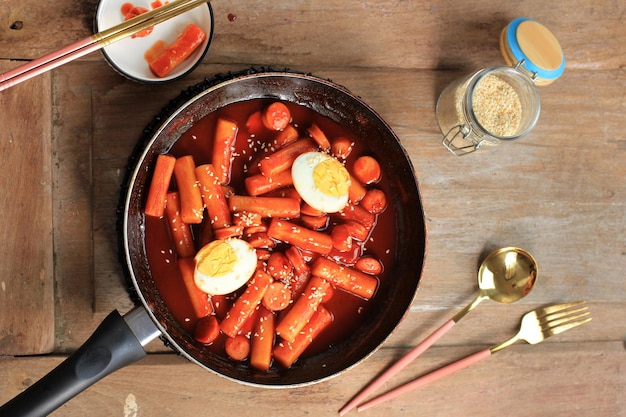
[126, 56]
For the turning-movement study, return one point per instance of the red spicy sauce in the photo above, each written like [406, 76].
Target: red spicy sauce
[128, 11]
[348, 310]
[155, 50]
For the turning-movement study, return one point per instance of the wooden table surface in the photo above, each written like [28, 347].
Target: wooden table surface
[560, 193]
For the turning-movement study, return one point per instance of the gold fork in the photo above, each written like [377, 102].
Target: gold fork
[536, 326]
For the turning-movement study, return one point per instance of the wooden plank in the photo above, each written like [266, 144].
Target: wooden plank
[26, 264]
[399, 34]
[549, 379]
[390, 33]
[72, 205]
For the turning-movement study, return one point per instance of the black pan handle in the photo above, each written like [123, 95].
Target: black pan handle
[117, 342]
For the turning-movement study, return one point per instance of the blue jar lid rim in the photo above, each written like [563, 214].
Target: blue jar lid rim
[519, 55]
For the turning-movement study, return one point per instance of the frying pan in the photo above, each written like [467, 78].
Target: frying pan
[119, 340]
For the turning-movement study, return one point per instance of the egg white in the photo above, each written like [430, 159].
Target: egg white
[234, 272]
[304, 183]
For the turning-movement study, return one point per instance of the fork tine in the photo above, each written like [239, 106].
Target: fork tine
[556, 319]
[558, 307]
[566, 326]
[561, 317]
[564, 312]
[564, 318]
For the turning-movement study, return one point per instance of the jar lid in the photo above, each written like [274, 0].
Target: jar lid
[532, 46]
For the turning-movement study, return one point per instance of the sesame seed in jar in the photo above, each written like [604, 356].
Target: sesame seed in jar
[497, 106]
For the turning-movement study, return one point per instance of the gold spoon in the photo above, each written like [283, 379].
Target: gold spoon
[505, 276]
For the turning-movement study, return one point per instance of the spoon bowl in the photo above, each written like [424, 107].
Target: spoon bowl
[505, 276]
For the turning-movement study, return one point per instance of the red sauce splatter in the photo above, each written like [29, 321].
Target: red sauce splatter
[232, 17]
[155, 50]
[129, 10]
[126, 8]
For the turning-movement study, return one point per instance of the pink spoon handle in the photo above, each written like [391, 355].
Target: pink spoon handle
[398, 366]
[427, 379]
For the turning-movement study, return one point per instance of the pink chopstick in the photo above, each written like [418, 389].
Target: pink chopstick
[47, 63]
[30, 66]
[398, 366]
[427, 379]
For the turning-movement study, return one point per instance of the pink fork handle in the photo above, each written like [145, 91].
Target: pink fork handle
[398, 366]
[427, 379]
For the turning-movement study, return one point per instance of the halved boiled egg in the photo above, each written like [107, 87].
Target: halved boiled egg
[321, 180]
[224, 266]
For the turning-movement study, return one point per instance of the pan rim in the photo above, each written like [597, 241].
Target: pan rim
[127, 199]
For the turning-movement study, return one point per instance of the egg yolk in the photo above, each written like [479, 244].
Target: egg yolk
[216, 259]
[331, 178]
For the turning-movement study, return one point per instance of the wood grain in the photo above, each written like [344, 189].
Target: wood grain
[386, 33]
[26, 264]
[530, 381]
[558, 192]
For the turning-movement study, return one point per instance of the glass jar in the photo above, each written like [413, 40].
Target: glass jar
[501, 104]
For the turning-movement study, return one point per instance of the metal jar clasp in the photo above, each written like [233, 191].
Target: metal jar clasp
[458, 133]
